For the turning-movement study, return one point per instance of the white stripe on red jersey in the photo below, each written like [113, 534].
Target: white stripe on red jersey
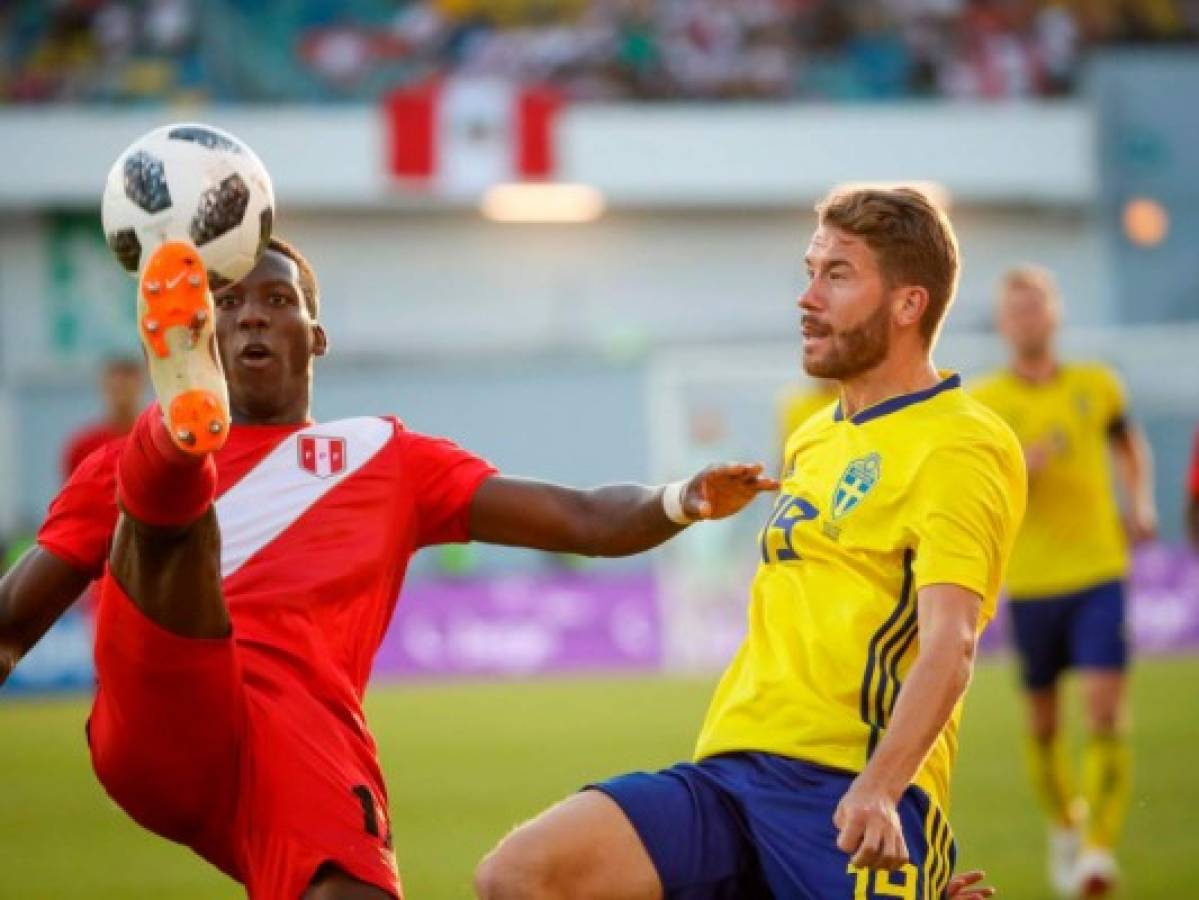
[277, 491]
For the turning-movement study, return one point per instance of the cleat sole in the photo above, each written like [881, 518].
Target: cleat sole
[197, 421]
[176, 324]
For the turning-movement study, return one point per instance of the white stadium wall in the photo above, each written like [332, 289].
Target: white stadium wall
[747, 155]
[452, 284]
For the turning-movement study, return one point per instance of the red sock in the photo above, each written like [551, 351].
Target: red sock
[159, 484]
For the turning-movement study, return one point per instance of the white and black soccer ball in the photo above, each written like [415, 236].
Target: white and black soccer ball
[192, 183]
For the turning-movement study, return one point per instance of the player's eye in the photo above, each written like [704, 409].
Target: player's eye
[224, 301]
[279, 299]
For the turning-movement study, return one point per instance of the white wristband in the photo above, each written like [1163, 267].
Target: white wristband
[672, 503]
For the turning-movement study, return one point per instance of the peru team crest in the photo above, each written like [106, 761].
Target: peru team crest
[856, 482]
[323, 457]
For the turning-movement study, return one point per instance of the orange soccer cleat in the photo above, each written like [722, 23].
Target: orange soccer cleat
[176, 321]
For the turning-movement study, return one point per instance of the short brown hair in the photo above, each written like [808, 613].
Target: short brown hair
[308, 285]
[911, 238]
[1030, 276]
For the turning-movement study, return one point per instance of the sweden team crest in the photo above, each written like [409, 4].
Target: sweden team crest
[856, 482]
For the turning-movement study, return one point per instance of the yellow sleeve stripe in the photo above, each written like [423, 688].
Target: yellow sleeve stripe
[938, 857]
[887, 646]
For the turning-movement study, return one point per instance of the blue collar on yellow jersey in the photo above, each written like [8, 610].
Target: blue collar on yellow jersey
[894, 404]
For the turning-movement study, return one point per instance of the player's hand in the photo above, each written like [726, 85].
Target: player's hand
[963, 887]
[1037, 456]
[8, 662]
[868, 826]
[720, 491]
[1142, 522]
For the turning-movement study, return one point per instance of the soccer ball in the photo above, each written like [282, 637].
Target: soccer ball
[192, 183]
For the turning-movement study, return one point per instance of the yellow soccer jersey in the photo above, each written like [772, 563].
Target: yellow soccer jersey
[925, 488]
[1072, 536]
[797, 405]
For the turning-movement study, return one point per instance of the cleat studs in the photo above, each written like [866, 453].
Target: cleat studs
[153, 287]
[199, 318]
[193, 280]
[185, 436]
[152, 325]
[214, 427]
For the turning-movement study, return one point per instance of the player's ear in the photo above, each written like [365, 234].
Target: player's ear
[910, 305]
[320, 341]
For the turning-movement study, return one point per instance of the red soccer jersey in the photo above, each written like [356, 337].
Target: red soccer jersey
[83, 443]
[1194, 479]
[318, 524]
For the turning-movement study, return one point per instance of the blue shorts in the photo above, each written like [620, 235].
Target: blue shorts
[758, 825]
[1082, 630]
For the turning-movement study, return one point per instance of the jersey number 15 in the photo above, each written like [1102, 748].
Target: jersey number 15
[777, 539]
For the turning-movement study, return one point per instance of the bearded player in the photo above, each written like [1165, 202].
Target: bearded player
[1068, 568]
[822, 768]
[248, 571]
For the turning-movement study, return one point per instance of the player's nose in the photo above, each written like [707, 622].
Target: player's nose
[253, 313]
[808, 300]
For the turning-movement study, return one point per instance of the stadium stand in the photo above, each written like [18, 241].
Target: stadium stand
[115, 51]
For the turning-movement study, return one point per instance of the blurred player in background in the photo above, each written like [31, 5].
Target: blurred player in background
[122, 387]
[1068, 569]
[250, 581]
[798, 403]
[823, 766]
[1193, 497]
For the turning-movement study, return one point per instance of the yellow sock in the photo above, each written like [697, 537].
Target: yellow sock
[1107, 786]
[1049, 766]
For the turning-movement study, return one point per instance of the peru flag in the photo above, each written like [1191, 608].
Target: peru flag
[465, 134]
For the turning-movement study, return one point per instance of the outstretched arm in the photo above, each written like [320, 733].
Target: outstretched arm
[615, 520]
[33, 595]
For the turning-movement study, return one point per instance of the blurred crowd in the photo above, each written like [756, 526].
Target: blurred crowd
[316, 50]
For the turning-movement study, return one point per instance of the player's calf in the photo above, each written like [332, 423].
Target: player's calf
[166, 550]
[172, 574]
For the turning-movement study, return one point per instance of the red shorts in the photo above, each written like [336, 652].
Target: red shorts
[258, 779]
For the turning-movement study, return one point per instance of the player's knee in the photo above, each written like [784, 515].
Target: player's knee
[1043, 718]
[516, 870]
[1105, 722]
[1044, 732]
[1105, 712]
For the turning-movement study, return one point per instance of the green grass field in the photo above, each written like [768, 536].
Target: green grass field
[466, 762]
